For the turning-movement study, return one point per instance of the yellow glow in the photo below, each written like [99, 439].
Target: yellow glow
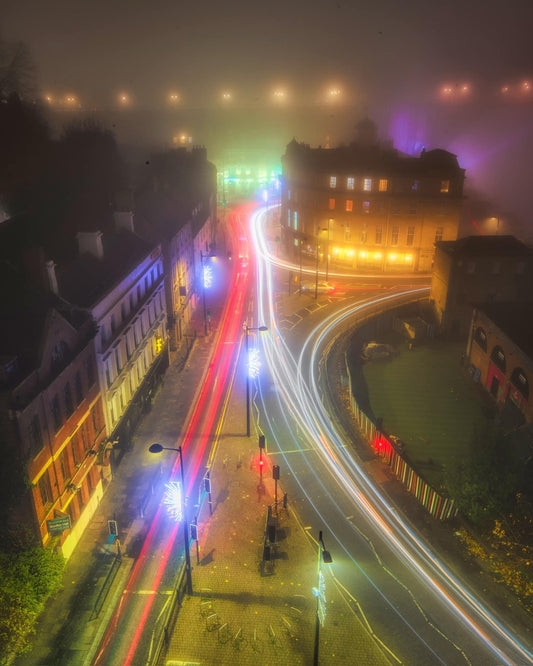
[408, 258]
[335, 251]
[124, 99]
[362, 254]
[350, 253]
[158, 344]
[393, 256]
[173, 98]
[377, 255]
[226, 96]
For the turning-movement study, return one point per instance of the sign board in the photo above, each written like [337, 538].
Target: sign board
[58, 524]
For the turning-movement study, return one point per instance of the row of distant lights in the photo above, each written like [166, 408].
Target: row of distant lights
[464, 90]
[124, 99]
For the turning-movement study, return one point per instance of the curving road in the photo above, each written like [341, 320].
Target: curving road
[416, 607]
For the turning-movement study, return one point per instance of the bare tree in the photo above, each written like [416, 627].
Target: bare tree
[17, 70]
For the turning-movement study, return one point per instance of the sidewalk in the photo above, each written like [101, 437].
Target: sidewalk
[244, 609]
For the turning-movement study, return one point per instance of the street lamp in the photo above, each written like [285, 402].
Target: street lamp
[157, 448]
[247, 329]
[320, 593]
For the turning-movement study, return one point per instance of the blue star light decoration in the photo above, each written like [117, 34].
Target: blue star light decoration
[173, 500]
[208, 277]
[254, 363]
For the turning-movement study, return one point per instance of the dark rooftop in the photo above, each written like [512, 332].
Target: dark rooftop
[485, 246]
[87, 279]
[515, 320]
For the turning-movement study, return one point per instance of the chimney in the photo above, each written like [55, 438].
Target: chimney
[51, 276]
[123, 220]
[91, 242]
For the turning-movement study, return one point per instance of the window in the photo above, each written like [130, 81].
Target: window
[295, 219]
[76, 449]
[379, 234]
[364, 233]
[60, 354]
[415, 186]
[347, 233]
[412, 208]
[108, 373]
[35, 435]
[128, 344]
[498, 358]
[96, 420]
[395, 232]
[444, 186]
[289, 195]
[45, 489]
[78, 388]
[132, 302]
[481, 338]
[138, 293]
[410, 235]
[349, 205]
[56, 413]
[395, 210]
[118, 359]
[439, 231]
[333, 181]
[69, 405]
[383, 184]
[89, 368]
[63, 464]
[289, 217]
[367, 184]
[366, 207]
[350, 183]
[113, 323]
[332, 204]
[519, 380]
[123, 312]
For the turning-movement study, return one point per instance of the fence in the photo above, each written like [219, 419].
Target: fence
[438, 506]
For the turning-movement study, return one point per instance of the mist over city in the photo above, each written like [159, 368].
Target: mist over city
[266, 332]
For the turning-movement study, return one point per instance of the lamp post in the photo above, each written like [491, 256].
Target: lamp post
[247, 329]
[327, 253]
[204, 287]
[320, 593]
[317, 256]
[157, 448]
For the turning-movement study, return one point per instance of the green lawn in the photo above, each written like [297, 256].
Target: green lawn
[425, 399]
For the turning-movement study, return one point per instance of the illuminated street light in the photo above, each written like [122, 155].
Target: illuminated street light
[250, 368]
[173, 98]
[320, 593]
[124, 99]
[173, 497]
[226, 96]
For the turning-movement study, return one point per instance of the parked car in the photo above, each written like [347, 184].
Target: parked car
[373, 351]
[321, 287]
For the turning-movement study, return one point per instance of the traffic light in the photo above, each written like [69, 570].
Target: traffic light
[112, 527]
[261, 441]
[275, 472]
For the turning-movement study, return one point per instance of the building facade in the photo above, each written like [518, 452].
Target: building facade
[367, 206]
[478, 269]
[500, 353]
[51, 417]
[118, 279]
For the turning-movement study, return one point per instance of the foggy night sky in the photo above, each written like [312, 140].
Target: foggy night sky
[389, 58]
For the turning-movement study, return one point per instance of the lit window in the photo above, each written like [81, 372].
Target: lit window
[289, 217]
[333, 181]
[347, 233]
[366, 207]
[367, 184]
[332, 204]
[295, 219]
[439, 231]
[364, 233]
[35, 434]
[349, 205]
[350, 183]
[379, 234]
[383, 185]
[444, 186]
[410, 235]
[395, 232]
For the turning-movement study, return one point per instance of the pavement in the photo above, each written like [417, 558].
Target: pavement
[242, 608]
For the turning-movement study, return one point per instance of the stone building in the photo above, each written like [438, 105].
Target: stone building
[51, 416]
[478, 269]
[368, 206]
[500, 353]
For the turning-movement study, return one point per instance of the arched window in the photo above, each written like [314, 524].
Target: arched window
[498, 358]
[60, 354]
[481, 338]
[519, 381]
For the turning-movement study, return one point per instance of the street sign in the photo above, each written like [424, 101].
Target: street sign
[58, 524]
